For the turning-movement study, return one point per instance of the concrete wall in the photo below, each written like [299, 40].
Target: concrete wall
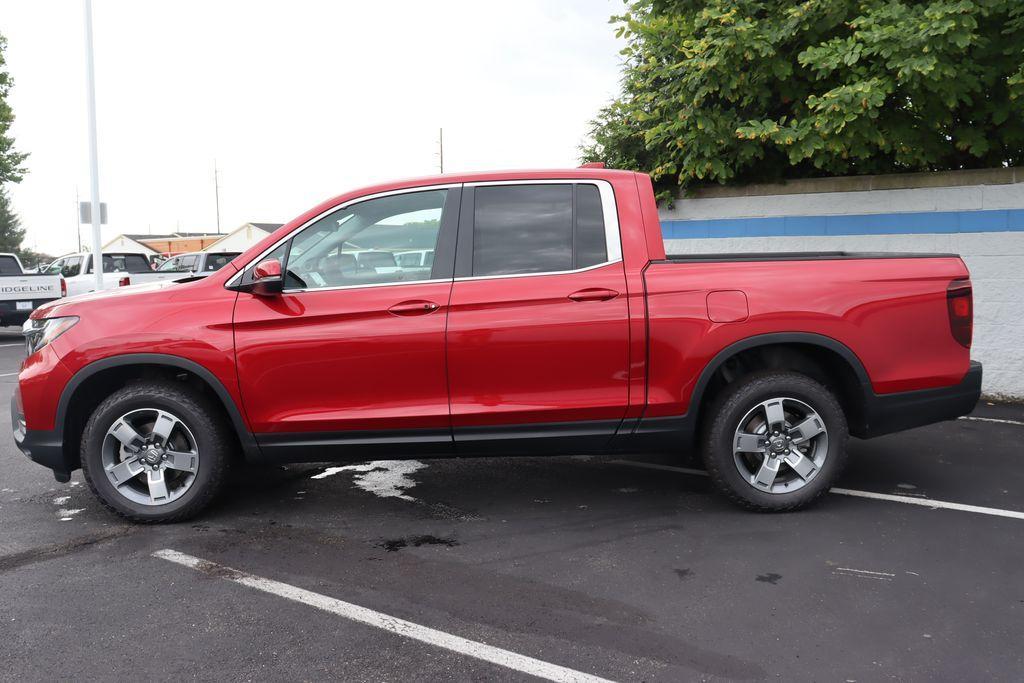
[984, 223]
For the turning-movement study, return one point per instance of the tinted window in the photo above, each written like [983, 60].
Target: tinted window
[590, 246]
[124, 263]
[522, 229]
[218, 261]
[171, 264]
[9, 266]
[70, 267]
[189, 262]
[357, 245]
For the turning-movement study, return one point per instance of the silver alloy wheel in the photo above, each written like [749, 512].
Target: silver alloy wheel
[780, 445]
[150, 456]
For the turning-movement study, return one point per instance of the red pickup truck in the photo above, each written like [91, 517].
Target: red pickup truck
[494, 314]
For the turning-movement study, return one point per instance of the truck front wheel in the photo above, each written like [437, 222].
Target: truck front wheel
[156, 452]
[775, 441]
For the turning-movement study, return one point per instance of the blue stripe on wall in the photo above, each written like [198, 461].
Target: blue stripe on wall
[923, 222]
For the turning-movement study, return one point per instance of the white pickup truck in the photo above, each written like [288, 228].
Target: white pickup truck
[21, 292]
[119, 270]
[197, 263]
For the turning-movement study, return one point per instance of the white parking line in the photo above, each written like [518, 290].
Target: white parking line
[488, 653]
[20, 344]
[929, 503]
[907, 500]
[992, 419]
[8, 374]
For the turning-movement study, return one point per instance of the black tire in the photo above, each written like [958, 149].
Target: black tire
[205, 423]
[735, 403]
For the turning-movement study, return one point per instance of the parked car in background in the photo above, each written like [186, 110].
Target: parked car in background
[420, 258]
[197, 263]
[551, 321]
[21, 292]
[119, 270]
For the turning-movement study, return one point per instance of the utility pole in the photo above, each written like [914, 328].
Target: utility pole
[440, 147]
[216, 193]
[94, 166]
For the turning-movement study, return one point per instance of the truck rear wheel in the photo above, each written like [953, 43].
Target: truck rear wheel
[775, 441]
[156, 452]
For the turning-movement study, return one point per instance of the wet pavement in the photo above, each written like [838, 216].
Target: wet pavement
[604, 567]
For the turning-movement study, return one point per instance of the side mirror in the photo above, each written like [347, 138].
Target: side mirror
[267, 279]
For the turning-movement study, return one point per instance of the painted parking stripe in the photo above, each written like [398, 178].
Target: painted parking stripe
[369, 617]
[908, 500]
[18, 344]
[992, 419]
[929, 503]
[9, 374]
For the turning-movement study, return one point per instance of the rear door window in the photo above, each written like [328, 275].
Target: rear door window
[537, 228]
[522, 229]
[124, 263]
[217, 261]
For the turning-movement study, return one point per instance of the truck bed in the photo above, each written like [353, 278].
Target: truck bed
[889, 309]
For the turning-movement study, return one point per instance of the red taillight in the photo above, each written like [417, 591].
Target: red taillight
[960, 303]
[63, 287]
[124, 282]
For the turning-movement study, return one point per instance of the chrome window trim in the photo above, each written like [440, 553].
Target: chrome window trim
[546, 272]
[371, 284]
[609, 209]
[405, 190]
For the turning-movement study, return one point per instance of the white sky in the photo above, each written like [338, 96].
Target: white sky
[298, 100]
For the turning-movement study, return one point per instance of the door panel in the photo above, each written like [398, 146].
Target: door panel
[353, 350]
[339, 360]
[520, 350]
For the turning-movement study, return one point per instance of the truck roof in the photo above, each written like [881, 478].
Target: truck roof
[485, 176]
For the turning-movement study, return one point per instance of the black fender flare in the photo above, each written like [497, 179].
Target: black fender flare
[245, 437]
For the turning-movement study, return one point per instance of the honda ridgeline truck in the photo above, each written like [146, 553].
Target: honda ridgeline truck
[550, 321]
[21, 292]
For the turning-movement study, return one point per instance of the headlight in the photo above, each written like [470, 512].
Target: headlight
[39, 333]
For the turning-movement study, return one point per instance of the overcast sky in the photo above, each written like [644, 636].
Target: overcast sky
[297, 100]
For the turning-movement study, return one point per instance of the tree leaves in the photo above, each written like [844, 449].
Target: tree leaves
[718, 91]
[11, 162]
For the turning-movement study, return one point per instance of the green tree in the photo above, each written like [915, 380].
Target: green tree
[11, 232]
[737, 91]
[11, 161]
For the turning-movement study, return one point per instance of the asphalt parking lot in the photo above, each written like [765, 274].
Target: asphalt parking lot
[511, 568]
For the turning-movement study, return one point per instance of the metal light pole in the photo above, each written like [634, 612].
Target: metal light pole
[94, 166]
[216, 193]
[440, 147]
